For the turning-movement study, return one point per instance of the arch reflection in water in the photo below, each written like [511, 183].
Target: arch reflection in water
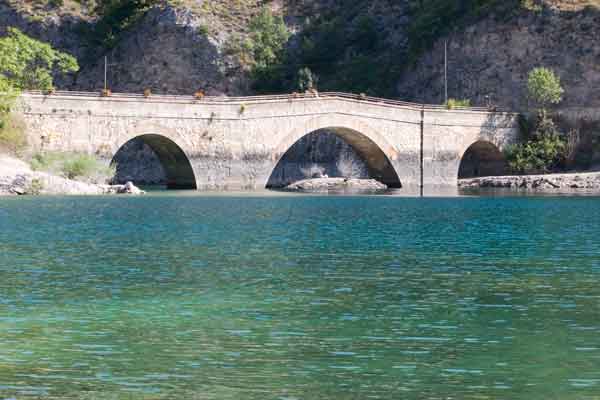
[337, 152]
[154, 160]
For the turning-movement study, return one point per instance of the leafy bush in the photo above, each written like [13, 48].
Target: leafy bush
[35, 187]
[115, 17]
[454, 103]
[26, 63]
[73, 165]
[12, 133]
[262, 51]
[12, 129]
[543, 152]
[544, 87]
[306, 79]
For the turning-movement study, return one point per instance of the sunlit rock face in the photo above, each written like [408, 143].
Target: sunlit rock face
[318, 154]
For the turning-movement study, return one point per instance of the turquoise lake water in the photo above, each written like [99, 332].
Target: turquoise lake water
[171, 296]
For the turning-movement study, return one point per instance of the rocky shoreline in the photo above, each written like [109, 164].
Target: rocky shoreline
[319, 185]
[17, 178]
[584, 181]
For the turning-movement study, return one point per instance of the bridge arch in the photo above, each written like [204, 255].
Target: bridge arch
[371, 147]
[178, 171]
[482, 158]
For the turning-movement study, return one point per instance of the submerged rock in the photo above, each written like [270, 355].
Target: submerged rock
[127, 188]
[336, 185]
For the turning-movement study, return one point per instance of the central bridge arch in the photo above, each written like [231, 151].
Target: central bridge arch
[371, 147]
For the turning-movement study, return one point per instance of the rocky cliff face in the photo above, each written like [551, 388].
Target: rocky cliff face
[168, 51]
[183, 48]
[493, 57]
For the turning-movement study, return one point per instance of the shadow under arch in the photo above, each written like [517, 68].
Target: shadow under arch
[177, 168]
[378, 164]
[482, 158]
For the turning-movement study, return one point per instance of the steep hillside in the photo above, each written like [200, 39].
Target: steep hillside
[492, 58]
[381, 47]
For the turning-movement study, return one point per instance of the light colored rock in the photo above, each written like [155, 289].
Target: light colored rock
[17, 178]
[336, 185]
[585, 181]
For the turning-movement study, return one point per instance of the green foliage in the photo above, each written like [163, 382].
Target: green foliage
[72, 165]
[203, 30]
[544, 87]
[543, 152]
[26, 63]
[12, 133]
[263, 50]
[35, 187]
[306, 79]
[455, 103]
[56, 3]
[348, 51]
[115, 17]
[267, 39]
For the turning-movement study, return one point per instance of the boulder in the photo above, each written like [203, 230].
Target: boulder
[336, 185]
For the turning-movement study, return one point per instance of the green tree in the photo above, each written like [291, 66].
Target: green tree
[543, 152]
[544, 87]
[267, 39]
[117, 16]
[27, 64]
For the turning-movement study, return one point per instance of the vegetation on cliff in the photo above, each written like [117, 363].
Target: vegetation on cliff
[25, 64]
[544, 147]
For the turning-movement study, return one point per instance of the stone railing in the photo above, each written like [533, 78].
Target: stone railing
[257, 99]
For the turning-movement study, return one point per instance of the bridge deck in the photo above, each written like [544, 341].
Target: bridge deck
[260, 99]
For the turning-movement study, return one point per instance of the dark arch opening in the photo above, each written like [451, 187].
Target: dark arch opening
[482, 159]
[337, 152]
[153, 160]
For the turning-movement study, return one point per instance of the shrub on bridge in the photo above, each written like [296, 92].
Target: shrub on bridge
[456, 103]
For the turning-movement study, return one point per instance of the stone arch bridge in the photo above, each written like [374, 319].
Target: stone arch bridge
[236, 143]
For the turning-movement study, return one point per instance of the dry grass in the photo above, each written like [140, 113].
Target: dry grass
[38, 10]
[573, 5]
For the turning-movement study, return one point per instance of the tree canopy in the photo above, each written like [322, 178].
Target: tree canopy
[26, 63]
[544, 87]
